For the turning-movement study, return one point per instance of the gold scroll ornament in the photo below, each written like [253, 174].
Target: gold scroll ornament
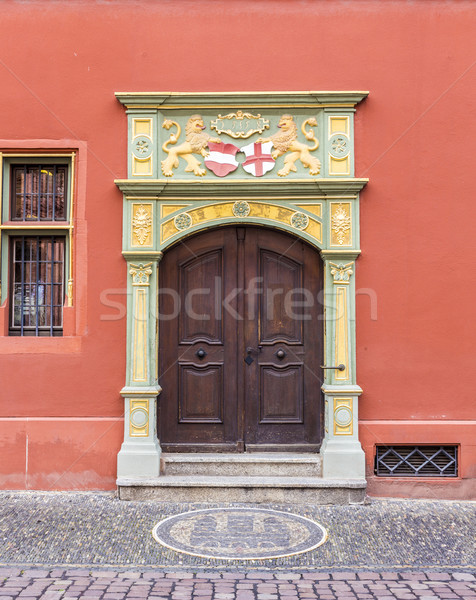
[239, 126]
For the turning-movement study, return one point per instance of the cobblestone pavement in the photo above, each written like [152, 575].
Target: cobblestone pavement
[93, 546]
[66, 584]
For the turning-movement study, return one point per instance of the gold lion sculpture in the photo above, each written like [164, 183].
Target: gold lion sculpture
[196, 143]
[286, 141]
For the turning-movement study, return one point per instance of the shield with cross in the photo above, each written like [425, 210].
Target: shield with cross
[258, 158]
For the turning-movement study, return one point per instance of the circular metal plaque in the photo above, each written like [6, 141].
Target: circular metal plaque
[239, 533]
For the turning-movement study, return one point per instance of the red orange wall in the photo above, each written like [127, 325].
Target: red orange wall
[60, 64]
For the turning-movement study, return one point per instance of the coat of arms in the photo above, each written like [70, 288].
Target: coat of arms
[260, 155]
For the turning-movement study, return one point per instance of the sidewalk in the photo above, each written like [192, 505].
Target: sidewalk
[71, 545]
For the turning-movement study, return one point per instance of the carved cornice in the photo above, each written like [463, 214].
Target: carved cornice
[201, 188]
[240, 99]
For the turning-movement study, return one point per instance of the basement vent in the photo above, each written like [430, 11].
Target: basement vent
[416, 461]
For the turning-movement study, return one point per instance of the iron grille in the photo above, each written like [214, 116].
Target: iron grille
[39, 192]
[37, 285]
[416, 461]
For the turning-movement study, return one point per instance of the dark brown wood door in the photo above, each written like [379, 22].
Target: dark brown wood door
[240, 343]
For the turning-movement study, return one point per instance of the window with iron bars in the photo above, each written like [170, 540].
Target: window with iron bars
[37, 228]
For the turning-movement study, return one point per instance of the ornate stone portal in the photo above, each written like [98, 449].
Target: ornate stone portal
[281, 160]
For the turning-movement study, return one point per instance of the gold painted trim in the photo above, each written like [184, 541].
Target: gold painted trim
[214, 213]
[317, 180]
[37, 154]
[244, 93]
[197, 199]
[197, 106]
[341, 333]
[152, 198]
[136, 406]
[333, 162]
[339, 118]
[142, 161]
[347, 405]
[71, 227]
[34, 227]
[146, 252]
[142, 120]
[348, 251]
[139, 349]
[140, 274]
[142, 225]
[140, 392]
[340, 216]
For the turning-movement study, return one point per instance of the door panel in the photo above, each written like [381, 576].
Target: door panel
[283, 383]
[197, 356]
[281, 277]
[281, 394]
[245, 293]
[200, 292]
[200, 393]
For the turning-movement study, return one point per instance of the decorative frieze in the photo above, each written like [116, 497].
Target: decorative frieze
[142, 225]
[341, 224]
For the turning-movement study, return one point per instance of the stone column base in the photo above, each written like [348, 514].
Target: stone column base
[341, 452]
[342, 460]
[140, 452]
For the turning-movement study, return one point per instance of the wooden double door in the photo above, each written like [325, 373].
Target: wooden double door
[241, 337]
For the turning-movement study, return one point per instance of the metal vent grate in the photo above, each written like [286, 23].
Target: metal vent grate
[416, 461]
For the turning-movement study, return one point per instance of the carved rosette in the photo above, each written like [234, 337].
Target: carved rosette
[140, 273]
[139, 418]
[241, 208]
[142, 223]
[299, 220]
[183, 221]
[341, 224]
[339, 145]
[142, 147]
[343, 416]
[341, 272]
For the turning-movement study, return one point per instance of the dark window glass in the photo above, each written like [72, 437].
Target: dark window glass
[37, 285]
[39, 192]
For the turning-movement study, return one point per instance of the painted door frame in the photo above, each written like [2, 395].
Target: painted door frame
[322, 209]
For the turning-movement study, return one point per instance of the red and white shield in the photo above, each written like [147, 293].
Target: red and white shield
[258, 158]
[221, 159]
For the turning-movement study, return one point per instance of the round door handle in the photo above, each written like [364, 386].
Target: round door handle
[201, 353]
[280, 354]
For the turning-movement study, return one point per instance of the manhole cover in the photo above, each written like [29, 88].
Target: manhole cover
[239, 533]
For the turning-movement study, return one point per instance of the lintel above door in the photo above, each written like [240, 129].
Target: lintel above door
[280, 159]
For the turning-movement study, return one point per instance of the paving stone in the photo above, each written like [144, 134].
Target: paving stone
[463, 576]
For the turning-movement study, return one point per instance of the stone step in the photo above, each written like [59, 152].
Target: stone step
[276, 490]
[273, 464]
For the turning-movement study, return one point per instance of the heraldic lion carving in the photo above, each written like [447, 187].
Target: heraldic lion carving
[286, 141]
[196, 143]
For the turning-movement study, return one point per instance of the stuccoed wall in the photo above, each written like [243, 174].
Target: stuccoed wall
[415, 334]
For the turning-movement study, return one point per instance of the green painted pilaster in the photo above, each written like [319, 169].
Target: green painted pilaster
[342, 454]
[140, 452]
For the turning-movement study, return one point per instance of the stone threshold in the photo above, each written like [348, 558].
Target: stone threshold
[205, 488]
